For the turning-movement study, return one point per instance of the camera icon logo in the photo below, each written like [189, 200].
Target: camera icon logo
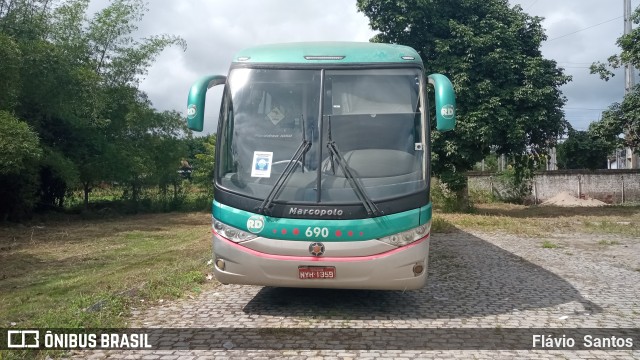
[23, 339]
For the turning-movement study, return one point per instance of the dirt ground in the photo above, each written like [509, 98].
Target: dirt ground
[604, 233]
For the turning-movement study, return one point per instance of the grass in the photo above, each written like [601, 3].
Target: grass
[549, 245]
[440, 225]
[80, 273]
[539, 221]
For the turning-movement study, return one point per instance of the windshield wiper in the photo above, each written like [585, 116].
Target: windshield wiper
[334, 153]
[369, 205]
[286, 173]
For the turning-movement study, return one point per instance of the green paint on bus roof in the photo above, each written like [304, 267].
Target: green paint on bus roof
[346, 53]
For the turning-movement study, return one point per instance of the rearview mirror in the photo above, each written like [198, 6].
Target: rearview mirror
[445, 102]
[197, 97]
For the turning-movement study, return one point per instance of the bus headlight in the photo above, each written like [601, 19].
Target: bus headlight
[407, 237]
[231, 233]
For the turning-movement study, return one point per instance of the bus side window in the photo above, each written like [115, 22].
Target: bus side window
[227, 119]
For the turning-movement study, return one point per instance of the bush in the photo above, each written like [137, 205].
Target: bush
[477, 196]
[448, 201]
[109, 200]
[512, 190]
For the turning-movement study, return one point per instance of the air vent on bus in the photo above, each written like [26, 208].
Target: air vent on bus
[323, 57]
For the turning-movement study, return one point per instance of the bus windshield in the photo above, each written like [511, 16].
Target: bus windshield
[371, 116]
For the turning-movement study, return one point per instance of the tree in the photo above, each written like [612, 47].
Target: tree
[166, 150]
[10, 57]
[622, 118]
[582, 150]
[109, 63]
[508, 94]
[73, 80]
[20, 151]
[115, 54]
[25, 19]
[19, 145]
[204, 162]
[630, 45]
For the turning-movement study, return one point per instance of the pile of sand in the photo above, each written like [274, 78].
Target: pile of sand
[566, 199]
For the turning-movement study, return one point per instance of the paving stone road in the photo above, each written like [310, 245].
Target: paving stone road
[476, 280]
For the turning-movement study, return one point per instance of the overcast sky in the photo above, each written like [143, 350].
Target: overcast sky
[216, 29]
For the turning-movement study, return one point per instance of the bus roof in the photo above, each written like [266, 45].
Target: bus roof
[327, 53]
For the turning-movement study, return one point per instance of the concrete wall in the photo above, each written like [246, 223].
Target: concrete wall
[610, 186]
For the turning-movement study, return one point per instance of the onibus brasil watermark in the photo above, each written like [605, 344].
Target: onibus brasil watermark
[37, 339]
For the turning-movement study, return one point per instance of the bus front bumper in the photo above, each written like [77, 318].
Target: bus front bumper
[393, 270]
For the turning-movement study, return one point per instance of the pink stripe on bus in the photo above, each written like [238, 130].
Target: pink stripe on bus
[320, 258]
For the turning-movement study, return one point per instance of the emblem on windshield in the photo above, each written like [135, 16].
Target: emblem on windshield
[316, 249]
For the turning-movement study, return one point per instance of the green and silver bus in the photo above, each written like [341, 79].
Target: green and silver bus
[322, 165]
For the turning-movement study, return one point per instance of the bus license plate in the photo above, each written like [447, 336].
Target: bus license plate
[316, 272]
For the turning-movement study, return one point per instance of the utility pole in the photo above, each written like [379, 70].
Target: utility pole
[629, 83]
[628, 68]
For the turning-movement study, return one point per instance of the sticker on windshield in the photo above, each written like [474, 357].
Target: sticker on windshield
[275, 115]
[261, 166]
